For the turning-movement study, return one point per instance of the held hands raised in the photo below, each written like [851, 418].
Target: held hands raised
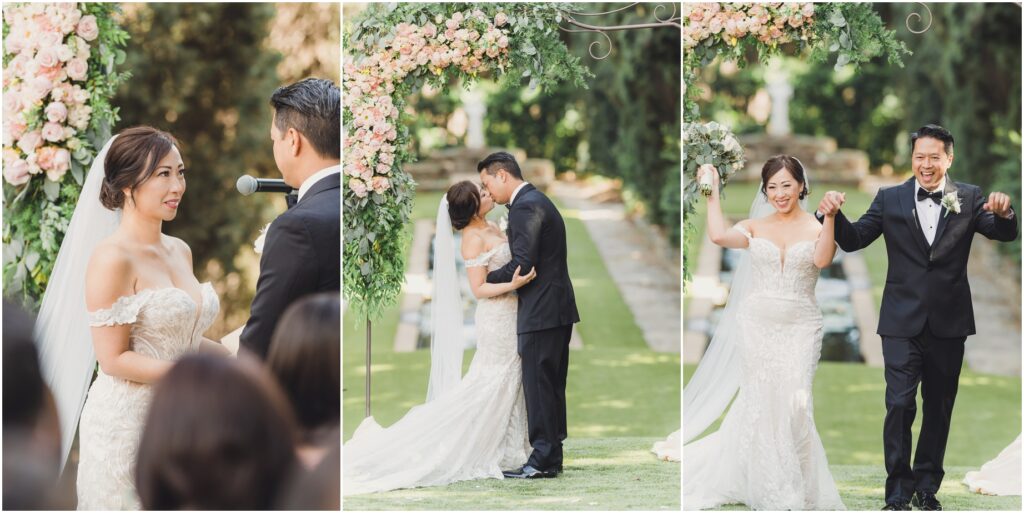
[999, 204]
[831, 203]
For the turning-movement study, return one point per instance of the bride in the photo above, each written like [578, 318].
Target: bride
[767, 453]
[471, 427]
[133, 289]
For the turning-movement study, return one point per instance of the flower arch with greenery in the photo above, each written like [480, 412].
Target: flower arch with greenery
[852, 31]
[391, 51]
[59, 75]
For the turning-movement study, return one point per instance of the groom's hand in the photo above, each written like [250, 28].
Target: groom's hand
[999, 204]
[831, 203]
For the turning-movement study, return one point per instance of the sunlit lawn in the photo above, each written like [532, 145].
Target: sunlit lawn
[849, 409]
[617, 389]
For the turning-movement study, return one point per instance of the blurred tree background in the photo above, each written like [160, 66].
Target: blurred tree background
[205, 73]
[964, 74]
[625, 126]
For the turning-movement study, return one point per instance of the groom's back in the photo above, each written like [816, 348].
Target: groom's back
[549, 301]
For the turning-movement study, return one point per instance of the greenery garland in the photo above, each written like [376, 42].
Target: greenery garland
[392, 50]
[59, 76]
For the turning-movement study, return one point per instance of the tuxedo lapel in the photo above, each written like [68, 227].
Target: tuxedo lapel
[908, 208]
[944, 216]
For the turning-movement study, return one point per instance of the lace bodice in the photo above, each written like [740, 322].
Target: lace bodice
[791, 275]
[493, 258]
[166, 322]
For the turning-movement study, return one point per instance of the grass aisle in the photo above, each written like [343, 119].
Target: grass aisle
[849, 408]
[600, 474]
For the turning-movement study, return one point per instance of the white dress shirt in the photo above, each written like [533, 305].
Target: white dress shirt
[316, 177]
[929, 212]
[516, 192]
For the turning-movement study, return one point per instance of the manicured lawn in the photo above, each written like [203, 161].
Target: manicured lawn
[849, 409]
[602, 474]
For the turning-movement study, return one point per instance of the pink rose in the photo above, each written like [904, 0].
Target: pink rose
[50, 39]
[381, 184]
[62, 161]
[457, 17]
[697, 14]
[30, 141]
[796, 21]
[357, 186]
[15, 42]
[45, 157]
[53, 132]
[12, 104]
[47, 57]
[383, 169]
[430, 30]
[38, 88]
[808, 10]
[503, 41]
[54, 75]
[17, 129]
[77, 69]
[17, 173]
[500, 19]
[87, 28]
[65, 53]
[56, 112]
[452, 25]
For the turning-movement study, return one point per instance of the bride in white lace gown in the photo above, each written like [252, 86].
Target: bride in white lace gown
[145, 309]
[767, 453]
[471, 428]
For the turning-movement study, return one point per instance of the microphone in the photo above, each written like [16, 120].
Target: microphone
[248, 185]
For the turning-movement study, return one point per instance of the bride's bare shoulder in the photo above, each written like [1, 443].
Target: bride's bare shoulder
[473, 243]
[108, 276]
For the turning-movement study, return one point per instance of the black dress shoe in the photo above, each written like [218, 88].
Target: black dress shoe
[896, 506]
[926, 501]
[529, 472]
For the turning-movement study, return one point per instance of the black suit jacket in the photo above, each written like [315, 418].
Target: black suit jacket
[925, 283]
[301, 255]
[536, 234]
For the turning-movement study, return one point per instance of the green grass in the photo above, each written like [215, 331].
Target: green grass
[736, 205]
[603, 474]
[617, 387]
[849, 409]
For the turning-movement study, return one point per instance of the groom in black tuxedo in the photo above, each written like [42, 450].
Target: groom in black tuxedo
[928, 223]
[547, 307]
[302, 249]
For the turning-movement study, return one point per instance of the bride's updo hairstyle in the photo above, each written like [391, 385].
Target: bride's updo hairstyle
[778, 163]
[131, 159]
[463, 203]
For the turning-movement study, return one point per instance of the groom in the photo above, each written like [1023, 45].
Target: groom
[928, 223]
[547, 307]
[302, 249]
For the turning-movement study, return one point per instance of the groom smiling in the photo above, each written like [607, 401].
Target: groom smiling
[926, 316]
[302, 249]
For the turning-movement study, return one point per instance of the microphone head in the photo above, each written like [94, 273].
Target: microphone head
[246, 185]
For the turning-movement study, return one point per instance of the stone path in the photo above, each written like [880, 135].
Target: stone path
[996, 292]
[643, 265]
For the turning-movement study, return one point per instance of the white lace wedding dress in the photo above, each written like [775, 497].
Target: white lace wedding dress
[473, 431]
[166, 324]
[767, 453]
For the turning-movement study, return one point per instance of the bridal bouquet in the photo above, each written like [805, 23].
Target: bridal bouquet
[711, 143]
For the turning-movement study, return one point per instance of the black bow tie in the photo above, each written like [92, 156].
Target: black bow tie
[291, 200]
[934, 196]
[508, 206]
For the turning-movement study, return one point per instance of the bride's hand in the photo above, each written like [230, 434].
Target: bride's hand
[520, 280]
[707, 175]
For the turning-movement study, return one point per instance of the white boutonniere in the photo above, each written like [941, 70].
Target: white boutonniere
[258, 243]
[951, 202]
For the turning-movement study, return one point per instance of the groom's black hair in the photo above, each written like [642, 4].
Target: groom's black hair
[311, 106]
[935, 132]
[501, 160]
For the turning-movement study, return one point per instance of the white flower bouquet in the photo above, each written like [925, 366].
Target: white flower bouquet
[711, 143]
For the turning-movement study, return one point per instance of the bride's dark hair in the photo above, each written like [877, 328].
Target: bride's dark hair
[778, 163]
[463, 203]
[131, 159]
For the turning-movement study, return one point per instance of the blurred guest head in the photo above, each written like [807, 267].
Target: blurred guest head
[305, 358]
[219, 435]
[320, 487]
[31, 431]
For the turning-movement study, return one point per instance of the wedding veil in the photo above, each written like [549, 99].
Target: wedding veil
[62, 326]
[717, 378]
[446, 346]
